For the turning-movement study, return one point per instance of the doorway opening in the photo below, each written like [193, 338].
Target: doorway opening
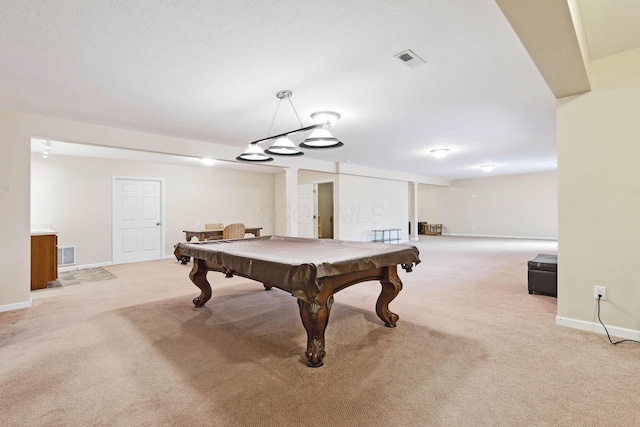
[325, 214]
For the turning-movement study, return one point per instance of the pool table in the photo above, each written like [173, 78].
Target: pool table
[312, 270]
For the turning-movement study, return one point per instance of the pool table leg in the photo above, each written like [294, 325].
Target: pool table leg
[315, 317]
[391, 286]
[198, 276]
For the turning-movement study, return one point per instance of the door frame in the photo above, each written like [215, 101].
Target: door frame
[312, 214]
[316, 205]
[115, 178]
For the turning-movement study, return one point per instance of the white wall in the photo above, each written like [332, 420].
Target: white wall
[74, 195]
[15, 251]
[365, 204]
[309, 177]
[599, 190]
[505, 206]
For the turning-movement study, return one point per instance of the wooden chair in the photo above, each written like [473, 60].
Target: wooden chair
[234, 231]
[214, 226]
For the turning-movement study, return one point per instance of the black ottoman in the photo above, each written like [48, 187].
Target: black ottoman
[543, 275]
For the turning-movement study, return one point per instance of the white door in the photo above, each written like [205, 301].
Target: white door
[136, 220]
[305, 211]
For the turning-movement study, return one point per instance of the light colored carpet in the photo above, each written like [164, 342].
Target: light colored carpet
[472, 348]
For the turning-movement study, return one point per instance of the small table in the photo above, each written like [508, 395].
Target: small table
[205, 234]
[383, 235]
[312, 270]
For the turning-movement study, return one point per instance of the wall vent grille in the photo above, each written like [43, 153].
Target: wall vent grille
[66, 255]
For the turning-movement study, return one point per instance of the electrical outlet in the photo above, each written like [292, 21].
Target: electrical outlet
[600, 290]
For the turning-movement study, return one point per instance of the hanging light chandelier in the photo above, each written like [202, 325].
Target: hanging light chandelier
[282, 145]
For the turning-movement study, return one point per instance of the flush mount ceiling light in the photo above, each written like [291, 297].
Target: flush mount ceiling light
[283, 146]
[487, 168]
[207, 161]
[325, 117]
[439, 153]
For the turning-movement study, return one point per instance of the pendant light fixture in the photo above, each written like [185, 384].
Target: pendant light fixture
[321, 138]
[282, 145]
[254, 153]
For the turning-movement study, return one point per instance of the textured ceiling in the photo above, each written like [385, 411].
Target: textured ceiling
[209, 70]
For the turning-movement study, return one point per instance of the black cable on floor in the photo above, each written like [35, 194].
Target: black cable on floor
[605, 328]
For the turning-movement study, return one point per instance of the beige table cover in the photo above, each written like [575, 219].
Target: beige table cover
[298, 265]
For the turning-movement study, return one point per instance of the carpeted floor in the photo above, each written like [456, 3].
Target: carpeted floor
[472, 348]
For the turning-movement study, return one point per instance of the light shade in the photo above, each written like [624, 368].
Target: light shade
[253, 153]
[487, 168]
[325, 117]
[439, 153]
[207, 161]
[283, 146]
[321, 138]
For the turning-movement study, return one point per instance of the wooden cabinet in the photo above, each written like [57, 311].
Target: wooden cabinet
[44, 260]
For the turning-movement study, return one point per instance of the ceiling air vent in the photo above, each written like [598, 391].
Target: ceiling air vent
[410, 59]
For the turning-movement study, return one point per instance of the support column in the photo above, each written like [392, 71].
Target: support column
[413, 210]
[291, 183]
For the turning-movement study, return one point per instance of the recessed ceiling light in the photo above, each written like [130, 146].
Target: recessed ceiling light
[487, 168]
[440, 152]
[207, 161]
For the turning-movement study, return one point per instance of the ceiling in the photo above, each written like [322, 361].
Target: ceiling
[210, 70]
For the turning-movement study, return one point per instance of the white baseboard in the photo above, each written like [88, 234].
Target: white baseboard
[500, 237]
[15, 306]
[614, 331]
